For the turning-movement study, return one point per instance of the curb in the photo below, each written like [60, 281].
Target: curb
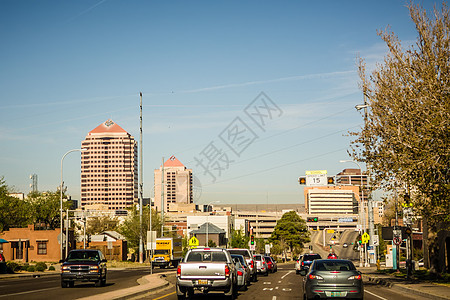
[400, 286]
[147, 284]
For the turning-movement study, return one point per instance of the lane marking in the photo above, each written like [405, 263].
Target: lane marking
[274, 298]
[29, 292]
[282, 277]
[375, 295]
[164, 296]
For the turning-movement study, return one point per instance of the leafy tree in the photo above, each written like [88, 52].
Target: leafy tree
[131, 226]
[46, 207]
[96, 225]
[291, 232]
[405, 140]
[13, 211]
[238, 239]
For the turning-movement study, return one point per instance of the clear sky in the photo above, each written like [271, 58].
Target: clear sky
[68, 66]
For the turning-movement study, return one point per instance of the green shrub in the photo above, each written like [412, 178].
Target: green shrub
[41, 266]
[51, 268]
[12, 266]
[30, 269]
[24, 267]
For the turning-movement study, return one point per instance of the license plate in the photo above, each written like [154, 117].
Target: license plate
[203, 282]
[337, 294]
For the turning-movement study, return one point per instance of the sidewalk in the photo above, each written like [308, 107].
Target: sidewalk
[421, 288]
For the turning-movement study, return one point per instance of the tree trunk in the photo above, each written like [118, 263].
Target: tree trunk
[426, 254]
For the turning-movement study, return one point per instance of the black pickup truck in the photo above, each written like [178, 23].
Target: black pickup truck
[83, 265]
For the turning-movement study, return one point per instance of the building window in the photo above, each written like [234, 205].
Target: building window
[42, 248]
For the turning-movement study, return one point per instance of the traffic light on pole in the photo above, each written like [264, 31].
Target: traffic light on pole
[252, 240]
[313, 219]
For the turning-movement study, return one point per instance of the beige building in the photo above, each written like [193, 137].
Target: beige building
[177, 185]
[109, 173]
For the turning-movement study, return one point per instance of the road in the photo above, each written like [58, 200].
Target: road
[282, 285]
[49, 287]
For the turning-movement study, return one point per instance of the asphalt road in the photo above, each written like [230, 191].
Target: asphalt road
[282, 285]
[49, 287]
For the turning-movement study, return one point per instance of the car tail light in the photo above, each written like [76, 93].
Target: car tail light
[240, 273]
[227, 271]
[303, 263]
[356, 277]
[315, 277]
[251, 264]
[179, 271]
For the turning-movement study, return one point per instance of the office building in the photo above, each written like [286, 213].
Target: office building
[177, 186]
[109, 173]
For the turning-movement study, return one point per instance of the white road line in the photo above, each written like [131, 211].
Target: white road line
[274, 298]
[374, 295]
[29, 292]
[286, 274]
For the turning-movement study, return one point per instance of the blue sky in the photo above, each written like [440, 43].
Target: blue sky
[68, 66]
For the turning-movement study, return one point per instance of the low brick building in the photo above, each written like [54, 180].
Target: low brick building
[32, 244]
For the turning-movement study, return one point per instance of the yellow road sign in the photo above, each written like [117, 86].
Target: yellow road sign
[365, 238]
[193, 242]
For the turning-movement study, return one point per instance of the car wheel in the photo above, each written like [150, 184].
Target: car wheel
[231, 293]
[267, 273]
[71, 284]
[103, 282]
[98, 283]
[63, 284]
[254, 277]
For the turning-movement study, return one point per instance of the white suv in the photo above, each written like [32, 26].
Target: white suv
[248, 258]
[261, 265]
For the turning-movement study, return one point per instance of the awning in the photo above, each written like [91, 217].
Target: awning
[2, 241]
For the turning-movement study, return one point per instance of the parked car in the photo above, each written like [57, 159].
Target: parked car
[332, 256]
[271, 264]
[249, 259]
[83, 265]
[206, 270]
[261, 265]
[298, 264]
[242, 270]
[332, 278]
[307, 260]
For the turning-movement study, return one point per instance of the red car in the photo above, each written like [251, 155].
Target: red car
[332, 256]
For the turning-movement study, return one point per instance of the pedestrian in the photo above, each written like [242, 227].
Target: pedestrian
[2, 258]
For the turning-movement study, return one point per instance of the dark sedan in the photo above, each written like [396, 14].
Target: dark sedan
[329, 278]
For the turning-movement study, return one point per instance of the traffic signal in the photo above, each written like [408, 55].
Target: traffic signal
[330, 180]
[252, 240]
[313, 219]
[302, 180]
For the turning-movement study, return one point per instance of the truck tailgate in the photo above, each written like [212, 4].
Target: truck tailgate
[202, 271]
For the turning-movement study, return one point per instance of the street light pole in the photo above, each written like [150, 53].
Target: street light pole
[361, 211]
[61, 200]
[207, 219]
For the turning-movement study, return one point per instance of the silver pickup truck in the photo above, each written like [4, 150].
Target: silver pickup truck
[206, 270]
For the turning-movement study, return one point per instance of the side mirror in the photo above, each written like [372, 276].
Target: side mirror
[103, 260]
[303, 272]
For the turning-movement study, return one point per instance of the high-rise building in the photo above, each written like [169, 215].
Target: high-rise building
[177, 185]
[109, 172]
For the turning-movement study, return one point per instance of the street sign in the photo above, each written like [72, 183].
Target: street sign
[397, 233]
[397, 240]
[365, 238]
[267, 248]
[316, 178]
[376, 240]
[193, 242]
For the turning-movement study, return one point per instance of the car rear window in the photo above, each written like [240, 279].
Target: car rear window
[334, 266]
[244, 253]
[208, 256]
[257, 257]
[311, 257]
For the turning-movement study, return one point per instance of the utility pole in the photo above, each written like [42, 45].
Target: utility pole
[369, 198]
[162, 198]
[141, 176]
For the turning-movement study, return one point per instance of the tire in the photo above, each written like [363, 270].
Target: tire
[267, 273]
[71, 284]
[255, 277]
[98, 283]
[231, 293]
[64, 284]
[103, 283]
